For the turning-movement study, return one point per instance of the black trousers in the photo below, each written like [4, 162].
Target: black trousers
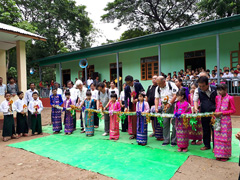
[125, 124]
[96, 120]
[81, 117]
[207, 129]
[29, 121]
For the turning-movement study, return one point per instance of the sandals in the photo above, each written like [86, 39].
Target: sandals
[185, 150]
[152, 135]
[199, 142]
[224, 159]
[179, 150]
[133, 137]
[14, 137]
[5, 139]
[193, 142]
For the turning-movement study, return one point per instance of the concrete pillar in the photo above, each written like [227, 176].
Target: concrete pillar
[21, 66]
[3, 71]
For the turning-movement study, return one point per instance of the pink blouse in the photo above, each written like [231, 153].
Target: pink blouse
[114, 107]
[225, 105]
[139, 106]
[183, 108]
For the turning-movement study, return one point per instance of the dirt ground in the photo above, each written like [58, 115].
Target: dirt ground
[20, 164]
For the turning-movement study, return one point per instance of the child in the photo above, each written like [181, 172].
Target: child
[68, 119]
[235, 82]
[88, 103]
[197, 135]
[222, 139]
[21, 108]
[113, 105]
[121, 99]
[35, 107]
[141, 106]
[56, 100]
[7, 108]
[182, 107]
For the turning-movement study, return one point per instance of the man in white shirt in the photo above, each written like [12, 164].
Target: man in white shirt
[81, 95]
[28, 97]
[167, 89]
[3, 87]
[89, 82]
[103, 97]
[59, 90]
[73, 91]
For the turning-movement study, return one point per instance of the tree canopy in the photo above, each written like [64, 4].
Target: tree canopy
[213, 9]
[162, 15]
[152, 15]
[66, 26]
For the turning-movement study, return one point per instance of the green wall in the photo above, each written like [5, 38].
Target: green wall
[172, 57]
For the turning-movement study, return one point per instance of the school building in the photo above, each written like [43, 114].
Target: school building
[204, 45]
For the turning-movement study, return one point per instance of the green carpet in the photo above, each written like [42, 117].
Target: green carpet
[122, 159]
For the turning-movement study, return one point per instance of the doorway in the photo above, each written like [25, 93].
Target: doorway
[66, 76]
[195, 59]
[90, 71]
[113, 73]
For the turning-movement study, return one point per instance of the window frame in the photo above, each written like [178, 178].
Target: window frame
[144, 67]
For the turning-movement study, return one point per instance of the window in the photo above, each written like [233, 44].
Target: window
[235, 58]
[195, 59]
[149, 67]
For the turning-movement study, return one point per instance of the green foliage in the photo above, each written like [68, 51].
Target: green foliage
[12, 72]
[213, 9]
[66, 26]
[133, 33]
[153, 15]
[9, 12]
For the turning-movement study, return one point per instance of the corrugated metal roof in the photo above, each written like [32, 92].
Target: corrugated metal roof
[205, 29]
[7, 27]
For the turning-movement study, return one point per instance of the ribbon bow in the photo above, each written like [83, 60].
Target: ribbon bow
[193, 122]
[83, 108]
[123, 117]
[177, 115]
[99, 115]
[139, 113]
[160, 121]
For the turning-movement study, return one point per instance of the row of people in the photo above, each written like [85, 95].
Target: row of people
[134, 100]
[203, 94]
[8, 107]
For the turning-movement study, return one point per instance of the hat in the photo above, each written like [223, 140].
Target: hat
[236, 71]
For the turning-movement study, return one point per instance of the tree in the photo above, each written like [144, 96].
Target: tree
[66, 26]
[9, 13]
[60, 22]
[133, 33]
[214, 9]
[152, 15]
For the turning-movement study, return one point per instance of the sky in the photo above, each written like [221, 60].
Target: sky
[95, 10]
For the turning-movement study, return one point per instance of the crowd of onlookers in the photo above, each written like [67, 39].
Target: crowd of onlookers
[228, 76]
